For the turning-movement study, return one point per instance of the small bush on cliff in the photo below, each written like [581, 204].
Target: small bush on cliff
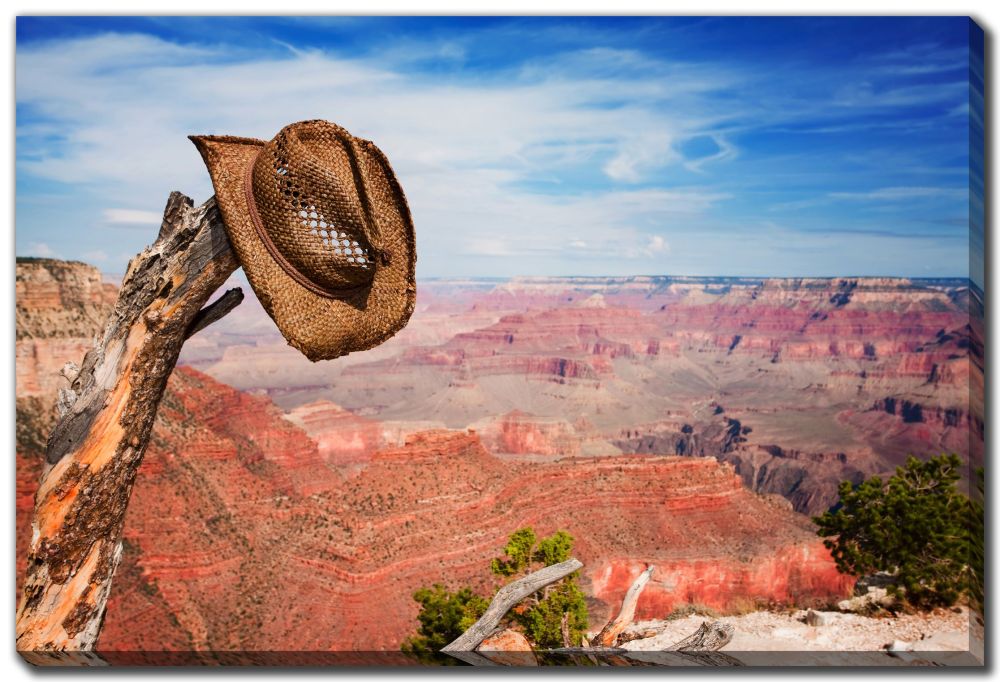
[445, 615]
[915, 525]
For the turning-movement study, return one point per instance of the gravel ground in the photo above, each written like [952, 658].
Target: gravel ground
[944, 630]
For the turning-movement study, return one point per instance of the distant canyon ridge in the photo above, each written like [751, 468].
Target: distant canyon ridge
[798, 383]
[688, 423]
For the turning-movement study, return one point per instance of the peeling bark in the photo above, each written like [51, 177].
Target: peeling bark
[108, 411]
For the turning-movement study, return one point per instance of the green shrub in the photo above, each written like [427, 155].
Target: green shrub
[915, 525]
[445, 615]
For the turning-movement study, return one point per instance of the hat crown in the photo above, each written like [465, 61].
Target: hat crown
[310, 195]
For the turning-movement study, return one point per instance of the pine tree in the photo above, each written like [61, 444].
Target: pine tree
[915, 525]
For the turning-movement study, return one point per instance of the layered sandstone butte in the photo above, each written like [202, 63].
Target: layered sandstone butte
[344, 439]
[60, 306]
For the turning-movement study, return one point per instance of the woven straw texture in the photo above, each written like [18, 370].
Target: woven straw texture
[322, 229]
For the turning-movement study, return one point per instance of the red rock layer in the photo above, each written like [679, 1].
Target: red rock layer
[519, 433]
[344, 439]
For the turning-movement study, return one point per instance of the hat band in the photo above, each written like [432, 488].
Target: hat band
[272, 249]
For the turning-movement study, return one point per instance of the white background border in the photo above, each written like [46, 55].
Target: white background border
[985, 13]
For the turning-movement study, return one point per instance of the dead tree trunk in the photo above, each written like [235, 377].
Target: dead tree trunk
[106, 417]
[609, 635]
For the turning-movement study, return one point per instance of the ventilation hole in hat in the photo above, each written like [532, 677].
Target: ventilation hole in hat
[322, 232]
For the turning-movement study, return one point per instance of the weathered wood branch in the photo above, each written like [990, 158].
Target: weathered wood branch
[698, 649]
[608, 637]
[95, 450]
[215, 311]
[505, 599]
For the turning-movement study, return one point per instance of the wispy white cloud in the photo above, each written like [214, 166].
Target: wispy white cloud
[888, 195]
[467, 153]
[899, 193]
[42, 250]
[656, 245]
[129, 216]
[96, 256]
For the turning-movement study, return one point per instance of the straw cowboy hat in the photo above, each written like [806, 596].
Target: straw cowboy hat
[321, 227]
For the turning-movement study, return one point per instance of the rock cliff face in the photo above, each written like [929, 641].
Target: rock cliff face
[226, 546]
[59, 308]
[344, 439]
[241, 535]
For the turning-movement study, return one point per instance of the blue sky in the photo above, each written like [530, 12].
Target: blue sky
[546, 146]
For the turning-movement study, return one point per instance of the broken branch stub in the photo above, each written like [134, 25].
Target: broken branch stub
[95, 450]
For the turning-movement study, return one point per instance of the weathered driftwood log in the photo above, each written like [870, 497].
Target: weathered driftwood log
[699, 649]
[505, 599]
[107, 414]
[708, 637]
[608, 637]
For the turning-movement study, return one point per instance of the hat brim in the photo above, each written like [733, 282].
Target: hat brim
[318, 326]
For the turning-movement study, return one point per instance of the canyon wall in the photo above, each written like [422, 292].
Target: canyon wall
[296, 504]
